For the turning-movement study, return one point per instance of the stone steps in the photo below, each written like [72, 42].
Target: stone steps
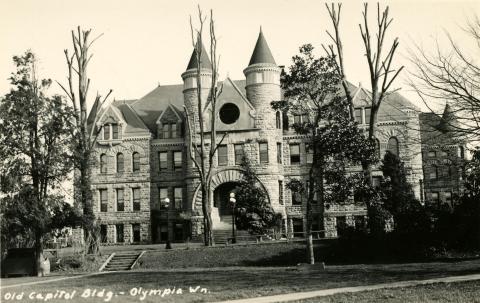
[122, 261]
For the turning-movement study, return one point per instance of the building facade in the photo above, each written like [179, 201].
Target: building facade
[143, 155]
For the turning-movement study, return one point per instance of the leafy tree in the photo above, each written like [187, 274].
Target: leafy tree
[252, 210]
[35, 136]
[311, 88]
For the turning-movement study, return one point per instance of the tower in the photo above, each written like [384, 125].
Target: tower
[263, 83]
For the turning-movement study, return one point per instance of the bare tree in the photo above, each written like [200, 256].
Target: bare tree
[382, 73]
[84, 138]
[451, 75]
[207, 127]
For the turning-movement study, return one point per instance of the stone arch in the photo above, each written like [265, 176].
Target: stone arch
[221, 177]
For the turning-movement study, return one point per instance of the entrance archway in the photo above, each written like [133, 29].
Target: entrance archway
[221, 198]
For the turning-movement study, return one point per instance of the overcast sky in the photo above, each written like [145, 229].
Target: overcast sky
[146, 43]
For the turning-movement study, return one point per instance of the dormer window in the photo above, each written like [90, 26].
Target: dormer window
[114, 131]
[111, 131]
[106, 132]
[170, 131]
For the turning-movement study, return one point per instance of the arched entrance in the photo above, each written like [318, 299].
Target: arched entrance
[221, 198]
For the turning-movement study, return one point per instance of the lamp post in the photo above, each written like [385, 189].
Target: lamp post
[233, 201]
[166, 202]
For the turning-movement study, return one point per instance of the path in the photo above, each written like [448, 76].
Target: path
[333, 291]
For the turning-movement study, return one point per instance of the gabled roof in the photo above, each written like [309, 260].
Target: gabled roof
[134, 124]
[261, 52]
[204, 59]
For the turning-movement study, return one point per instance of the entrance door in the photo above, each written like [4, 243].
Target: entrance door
[222, 198]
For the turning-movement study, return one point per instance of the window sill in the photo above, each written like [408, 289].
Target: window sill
[109, 142]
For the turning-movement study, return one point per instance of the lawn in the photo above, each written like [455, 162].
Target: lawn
[241, 282]
[464, 292]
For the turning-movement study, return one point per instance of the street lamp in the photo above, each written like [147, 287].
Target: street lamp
[166, 203]
[233, 201]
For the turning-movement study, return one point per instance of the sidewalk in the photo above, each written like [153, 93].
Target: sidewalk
[333, 291]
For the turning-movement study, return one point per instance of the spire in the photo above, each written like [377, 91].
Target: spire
[204, 60]
[448, 122]
[261, 53]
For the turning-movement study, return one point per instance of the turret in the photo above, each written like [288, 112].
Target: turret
[263, 83]
[448, 122]
[190, 81]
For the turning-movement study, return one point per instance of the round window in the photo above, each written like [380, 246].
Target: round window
[229, 113]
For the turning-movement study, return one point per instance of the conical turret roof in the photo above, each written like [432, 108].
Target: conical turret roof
[448, 122]
[261, 53]
[204, 59]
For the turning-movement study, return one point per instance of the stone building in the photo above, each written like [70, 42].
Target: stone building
[143, 155]
[443, 152]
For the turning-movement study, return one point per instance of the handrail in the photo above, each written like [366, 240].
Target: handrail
[106, 262]
[138, 258]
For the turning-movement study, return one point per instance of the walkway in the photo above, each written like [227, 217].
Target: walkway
[333, 291]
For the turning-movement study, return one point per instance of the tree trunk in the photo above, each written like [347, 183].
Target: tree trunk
[38, 254]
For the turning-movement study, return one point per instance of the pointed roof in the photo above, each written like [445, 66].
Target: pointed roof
[204, 59]
[448, 122]
[261, 53]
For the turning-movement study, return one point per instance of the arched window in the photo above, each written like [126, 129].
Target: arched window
[377, 148]
[136, 161]
[120, 163]
[103, 164]
[285, 121]
[392, 146]
[278, 120]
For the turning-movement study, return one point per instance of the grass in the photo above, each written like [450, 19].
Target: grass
[465, 292]
[232, 283]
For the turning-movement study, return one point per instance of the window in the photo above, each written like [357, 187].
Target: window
[177, 160]
[120, 200]
[173, 130]
[297, 227]
[285, 121]
[296, 198]
[358, 115]
[136, 161]
[444, 154]
[433, 173]
[432, 154]
[162, 160]
[106, 132]
[294, 153]
[263, 148]
[163, 195]
[238, 149]
[376, 180]
[315, 196]
[297, 119]
[166, 131]
[198, 158]
[103, 164]
[136, 232]
[222, 154]
[309, 151]
[448, 197]
[392, 146]
[280, 192]
[178, 197]
[114, 131]
[178, 231]
[103, 233]
[341, 225]
[278, 120]
[360, 222]
[119, 230]
[136, 199]
[461, 152]
[434, 197]
[450, 171]
[103, 200]
[120, 163]
[368, 113]
[358, 196]
[229, 113]
[279, 153]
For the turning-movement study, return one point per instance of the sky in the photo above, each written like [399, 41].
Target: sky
[146, 43]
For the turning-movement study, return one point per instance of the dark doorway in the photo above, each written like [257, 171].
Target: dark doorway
[221, 197]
